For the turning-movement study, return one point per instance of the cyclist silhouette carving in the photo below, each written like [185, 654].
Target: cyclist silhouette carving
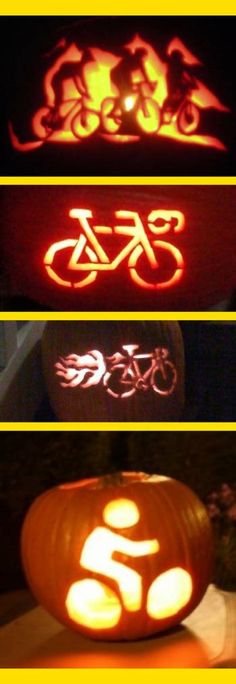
[120, 96]
[180, 84]
[94, 603]
[68, 70]
[76, 87]
[135, 104]
[122, 73]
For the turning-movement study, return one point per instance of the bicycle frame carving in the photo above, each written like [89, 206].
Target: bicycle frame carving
[121, 374]
[121, 97]
[87, 256]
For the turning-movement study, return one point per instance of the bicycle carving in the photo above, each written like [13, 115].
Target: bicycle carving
[138, 105]
[121, 374]
[87, 256]
[148, 115]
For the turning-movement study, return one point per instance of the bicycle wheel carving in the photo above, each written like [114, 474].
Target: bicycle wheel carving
[85, 123]
[117, 385]
[110, 116]
[41, 122]
[164, 378]
[148, 116]
[188, 118]
[167, 249]
[79, 247]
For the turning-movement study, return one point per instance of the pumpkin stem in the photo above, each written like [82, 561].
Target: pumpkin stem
[113, 479]
[120, 478]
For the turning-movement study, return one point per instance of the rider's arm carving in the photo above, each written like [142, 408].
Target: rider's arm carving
[102, 543]
[136, 549]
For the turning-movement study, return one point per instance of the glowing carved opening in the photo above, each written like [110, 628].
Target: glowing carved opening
[122, 98]
[93, 604]
[90, 602]
[169, 593]
[121, 513]
[129, 103]
[86, 256]
[97, 556]
[122, 373]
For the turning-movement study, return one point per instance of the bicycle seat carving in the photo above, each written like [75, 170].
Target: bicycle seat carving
[122, 97]
[121, 374]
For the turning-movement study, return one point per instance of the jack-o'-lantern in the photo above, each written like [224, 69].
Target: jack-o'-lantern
[114, 370]
[118, 557]
[122, 96]
[119, 247]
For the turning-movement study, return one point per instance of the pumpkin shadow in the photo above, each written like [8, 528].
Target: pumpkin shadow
[177, 648]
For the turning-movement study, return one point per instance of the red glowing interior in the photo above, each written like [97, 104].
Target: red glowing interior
[83, 97]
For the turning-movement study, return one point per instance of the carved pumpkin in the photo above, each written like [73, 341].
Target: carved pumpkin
[119, 248]
[118, 557]
[114, 370]
[110, 95]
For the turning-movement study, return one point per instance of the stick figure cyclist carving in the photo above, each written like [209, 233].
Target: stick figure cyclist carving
[87, 256]
[93, 603]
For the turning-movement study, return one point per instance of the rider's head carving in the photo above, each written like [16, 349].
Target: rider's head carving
[121, 513]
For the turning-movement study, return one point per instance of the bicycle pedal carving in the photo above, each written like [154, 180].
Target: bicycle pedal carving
[85, 256]
[122, 374]
[122, 97]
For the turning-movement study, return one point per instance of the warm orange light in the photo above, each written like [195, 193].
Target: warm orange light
[121, 513]
[93, 604]
[86, 253]
[89, 101]
[97, 555]
[169, 593]
[189, 57]
[129, 103]
[90, 602]
[168, 219]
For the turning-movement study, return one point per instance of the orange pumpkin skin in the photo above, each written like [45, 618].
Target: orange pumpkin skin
[60, 520]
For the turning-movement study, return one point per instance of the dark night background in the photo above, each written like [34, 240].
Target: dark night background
[24, 44]
[31, 463]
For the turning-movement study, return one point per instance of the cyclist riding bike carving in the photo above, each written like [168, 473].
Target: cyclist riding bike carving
[178, 103]
[53, 118]
[135, 103]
